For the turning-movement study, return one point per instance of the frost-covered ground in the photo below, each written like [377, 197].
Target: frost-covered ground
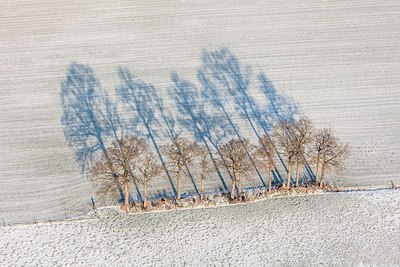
[340, 60]
[332, 229]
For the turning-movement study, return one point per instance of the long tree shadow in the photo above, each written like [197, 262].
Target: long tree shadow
[193, 117]
[89, 119]
[141, 99]
[222, 75]
[280, 108]
[84, 125]
[118, 129]
[174, 130]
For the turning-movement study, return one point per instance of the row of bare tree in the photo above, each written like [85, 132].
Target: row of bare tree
[114, 138]
[130, 160]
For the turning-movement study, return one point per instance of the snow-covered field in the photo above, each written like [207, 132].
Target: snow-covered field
[333, 229]
[339, 60]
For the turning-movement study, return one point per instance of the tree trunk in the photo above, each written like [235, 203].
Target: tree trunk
[297, 173]
[269, 179]
[126, 193]
[145, 194]
[115, 176]
[321, 185]
[239, 184]
[179, 183]
[202, 188]
[317, 172]
[288, 174]
[233, 189]
[323, 172]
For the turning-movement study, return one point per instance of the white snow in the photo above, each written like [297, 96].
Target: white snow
[340, 60]
[332, 229]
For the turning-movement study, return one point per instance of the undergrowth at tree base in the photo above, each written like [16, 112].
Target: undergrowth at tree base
[222, 198]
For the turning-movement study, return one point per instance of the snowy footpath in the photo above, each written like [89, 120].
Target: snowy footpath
[345, 229]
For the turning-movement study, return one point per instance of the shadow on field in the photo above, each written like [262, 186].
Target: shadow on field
[142, 101]
[89, 117]
[211, 109]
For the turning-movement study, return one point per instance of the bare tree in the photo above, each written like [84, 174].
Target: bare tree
[121, 158]
[143, 103]
[90, 119]
[146, 169]
[206, 167]
[282, 134]
[302, 137]
[180, 154]
[237, 161]
[321, 140]
[328, 152]
[266, 153]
